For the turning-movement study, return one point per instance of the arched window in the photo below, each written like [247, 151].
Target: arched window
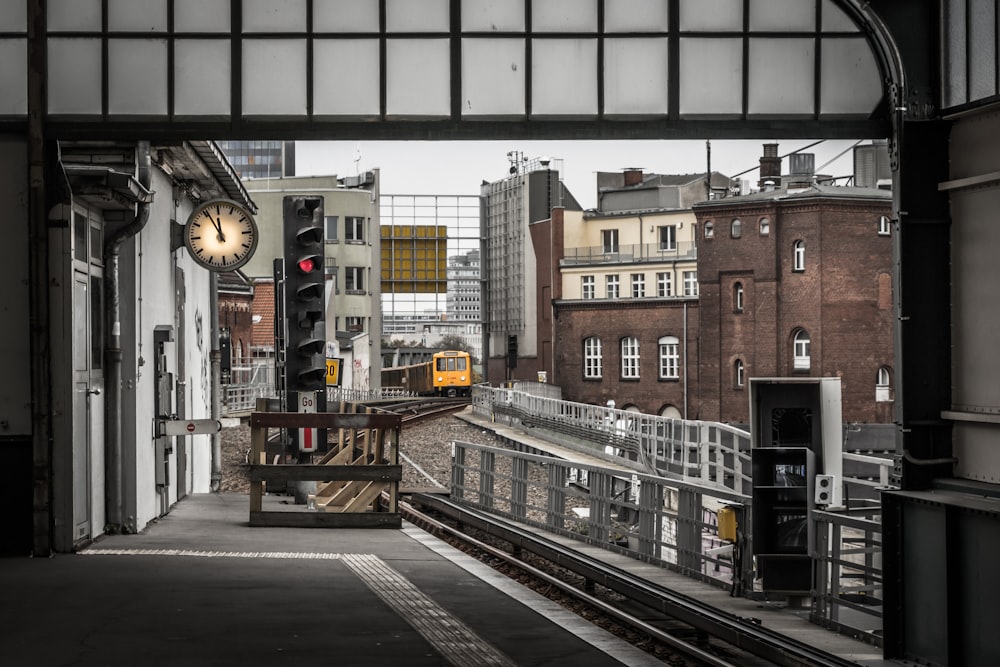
[669, 358]
[765, 226]
[592, 360]
[709, 230]
[738, 297]
[800, 350]
[799, 255]
[670, 412]
[630, 358]
[738, 374]
[736, 228]
[883, 384]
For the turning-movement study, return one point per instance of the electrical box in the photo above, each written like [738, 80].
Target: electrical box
[796, 442]
[727, 523]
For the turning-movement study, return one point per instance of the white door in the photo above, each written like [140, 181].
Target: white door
[88, 374]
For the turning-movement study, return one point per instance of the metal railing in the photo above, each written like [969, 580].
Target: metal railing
[848, 558]
[629, 254]
[710, 453]
[249, 378]
[656, 520]
[659, 497]
[240, 399]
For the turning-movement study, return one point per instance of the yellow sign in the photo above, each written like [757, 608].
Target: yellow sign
[333, 372]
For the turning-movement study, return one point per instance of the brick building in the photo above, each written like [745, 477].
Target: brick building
[796, 281]
[235, 298]
[672, 310]
[625, 304]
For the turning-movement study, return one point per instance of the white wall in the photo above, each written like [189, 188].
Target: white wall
[150, 283]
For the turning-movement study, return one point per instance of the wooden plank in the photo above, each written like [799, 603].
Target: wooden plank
[326, 520]
[339, 457]
[327, 420]
[258, 438]
[345, 494]
[393, 456]
[364, 499]
[325, 473]
[331, 488]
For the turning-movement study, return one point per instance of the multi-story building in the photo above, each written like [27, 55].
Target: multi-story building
[512, 268]
[261, 159]
[626, 314]
[625, 322]
[671, 310]
[464, 303]
[796, 280]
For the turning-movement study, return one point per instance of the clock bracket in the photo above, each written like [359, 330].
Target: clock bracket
[176, 235]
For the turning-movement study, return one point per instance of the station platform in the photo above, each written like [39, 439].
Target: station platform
[202, 587]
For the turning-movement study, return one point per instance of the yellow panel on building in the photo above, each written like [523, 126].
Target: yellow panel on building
[414, 253]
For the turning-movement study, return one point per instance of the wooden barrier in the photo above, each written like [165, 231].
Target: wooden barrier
[360, 466]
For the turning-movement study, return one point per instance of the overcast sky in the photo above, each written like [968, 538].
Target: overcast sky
[459, 167]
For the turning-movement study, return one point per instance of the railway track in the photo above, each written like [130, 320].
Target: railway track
[661, 619]
[418, 409]
[673, 626]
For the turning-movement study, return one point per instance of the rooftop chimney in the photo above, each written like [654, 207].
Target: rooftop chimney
[770, 166]
[801, 167]
[633, 176]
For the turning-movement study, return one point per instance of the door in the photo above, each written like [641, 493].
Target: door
[88, 374]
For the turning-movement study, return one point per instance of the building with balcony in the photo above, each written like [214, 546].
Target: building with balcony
[625, 312]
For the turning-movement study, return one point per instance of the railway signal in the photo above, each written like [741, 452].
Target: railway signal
[305, 305]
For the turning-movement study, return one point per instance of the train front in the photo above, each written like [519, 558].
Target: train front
[452, 373]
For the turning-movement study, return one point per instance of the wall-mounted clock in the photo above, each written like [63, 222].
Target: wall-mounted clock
[221, 235]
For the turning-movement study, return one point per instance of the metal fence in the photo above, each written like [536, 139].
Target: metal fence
[668, 523]
[713, 454]
[249, 378]
[848, 583]
[659, 498]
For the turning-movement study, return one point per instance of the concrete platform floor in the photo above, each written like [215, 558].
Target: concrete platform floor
[200, 587]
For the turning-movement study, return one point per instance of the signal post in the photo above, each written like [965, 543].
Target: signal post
[304, 317]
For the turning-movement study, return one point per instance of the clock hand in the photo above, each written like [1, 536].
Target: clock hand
[218, 228]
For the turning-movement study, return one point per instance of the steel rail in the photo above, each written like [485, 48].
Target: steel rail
[689, 650]
[734, 630]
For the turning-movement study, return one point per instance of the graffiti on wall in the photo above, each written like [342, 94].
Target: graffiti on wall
[204, 359]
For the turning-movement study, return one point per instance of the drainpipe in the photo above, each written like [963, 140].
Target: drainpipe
[216, 483]
[114, 492]
[685, 360]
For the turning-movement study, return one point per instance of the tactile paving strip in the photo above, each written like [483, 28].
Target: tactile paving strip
[455, 640]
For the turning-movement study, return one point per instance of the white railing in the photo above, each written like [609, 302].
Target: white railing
[707, 453]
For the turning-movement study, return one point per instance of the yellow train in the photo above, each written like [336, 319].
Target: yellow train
[448, 373]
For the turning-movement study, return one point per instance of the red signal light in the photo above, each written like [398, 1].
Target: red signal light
[307, 265]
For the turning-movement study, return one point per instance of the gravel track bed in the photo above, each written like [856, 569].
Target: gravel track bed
[424, 448]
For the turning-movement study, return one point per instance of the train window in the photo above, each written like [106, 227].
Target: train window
[452, 362]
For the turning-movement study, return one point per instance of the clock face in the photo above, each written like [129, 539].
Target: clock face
[221, 235]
